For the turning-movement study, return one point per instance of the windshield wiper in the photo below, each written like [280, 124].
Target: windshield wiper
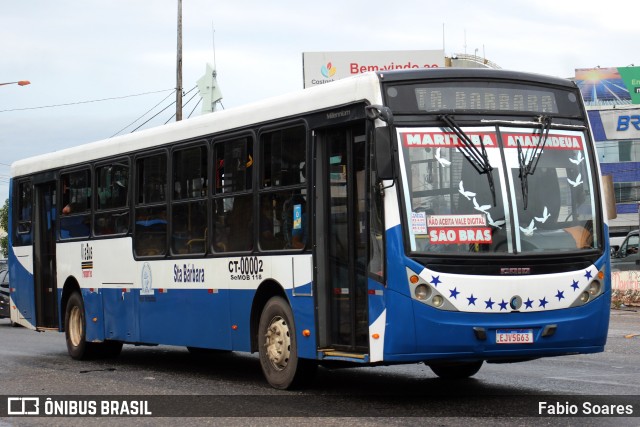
[476, 156]
[528, 163]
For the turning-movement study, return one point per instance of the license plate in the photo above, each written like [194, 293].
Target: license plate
[514, 336]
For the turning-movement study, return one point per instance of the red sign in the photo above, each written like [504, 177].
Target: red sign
[553, 142]
[448, 236]
[446, 139]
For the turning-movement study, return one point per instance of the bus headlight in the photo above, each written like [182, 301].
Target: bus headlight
[593, 290]
[422, 292]
[437, 301]
[584, 297]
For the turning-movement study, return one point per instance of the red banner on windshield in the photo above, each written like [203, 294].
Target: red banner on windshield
[553, 142]
[446, 139]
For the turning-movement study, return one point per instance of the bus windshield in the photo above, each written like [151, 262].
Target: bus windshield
[452, 206]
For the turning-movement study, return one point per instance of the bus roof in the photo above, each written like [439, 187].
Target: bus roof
[341, 92]
[473, 73]
[360, 87]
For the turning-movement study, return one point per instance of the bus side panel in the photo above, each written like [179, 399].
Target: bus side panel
[377, 320]
[103, 270]
[396, 262]
[20, 263]
[303, 312]
[120, 314]
[240, 301]
[93, 314]
[209, 319]
[400, 334]
[22, 285]
[189, 317]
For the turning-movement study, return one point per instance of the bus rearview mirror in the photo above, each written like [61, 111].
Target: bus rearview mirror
[384, 153]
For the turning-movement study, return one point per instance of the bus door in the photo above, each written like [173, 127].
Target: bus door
[44, 255]
[341, 239]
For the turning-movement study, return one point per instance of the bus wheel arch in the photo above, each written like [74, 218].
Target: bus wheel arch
[271, 311]
[74, 325]
[264, 293]
[278, 347]
[70, 286]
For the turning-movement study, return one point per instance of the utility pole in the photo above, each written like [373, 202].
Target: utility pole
[179, 66]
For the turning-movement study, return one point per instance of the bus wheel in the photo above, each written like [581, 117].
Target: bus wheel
[452, 371]
[75, 328]
[278, 347]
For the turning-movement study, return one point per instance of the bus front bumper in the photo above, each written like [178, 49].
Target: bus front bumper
[449, 335]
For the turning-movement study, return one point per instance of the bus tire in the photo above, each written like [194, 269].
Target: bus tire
[456, 371]
[75, 328]
[278, 347]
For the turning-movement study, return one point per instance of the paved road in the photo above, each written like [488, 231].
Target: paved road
[37, 364]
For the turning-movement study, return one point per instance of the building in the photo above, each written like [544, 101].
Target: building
[612, 97]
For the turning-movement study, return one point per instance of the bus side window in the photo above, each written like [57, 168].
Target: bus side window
[233, 166]
[150, 235]
[283, 199]
[112, 189]
[294, 222]
[233, 224]
[189, 205]
[75, 218]
[22, 234]
[241, 224]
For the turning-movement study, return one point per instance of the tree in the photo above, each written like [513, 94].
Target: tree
[4, 225]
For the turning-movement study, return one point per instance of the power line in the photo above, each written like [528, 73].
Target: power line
[86, 102]
[194, 108]
[187, 93]
[154, 116]
[130, 124]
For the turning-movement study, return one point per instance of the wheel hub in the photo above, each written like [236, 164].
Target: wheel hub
[278, 343]
[75, 326]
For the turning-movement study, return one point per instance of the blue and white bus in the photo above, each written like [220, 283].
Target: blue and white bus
[444, 216]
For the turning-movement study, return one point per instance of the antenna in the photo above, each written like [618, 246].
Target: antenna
[208, 85]
[443, 49]
[213, 43]
[465, 41]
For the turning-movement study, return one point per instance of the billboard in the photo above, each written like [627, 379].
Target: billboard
[615, 124]
[609, 86]
[324, 67]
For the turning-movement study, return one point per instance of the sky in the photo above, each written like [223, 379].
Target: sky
[89, 61]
